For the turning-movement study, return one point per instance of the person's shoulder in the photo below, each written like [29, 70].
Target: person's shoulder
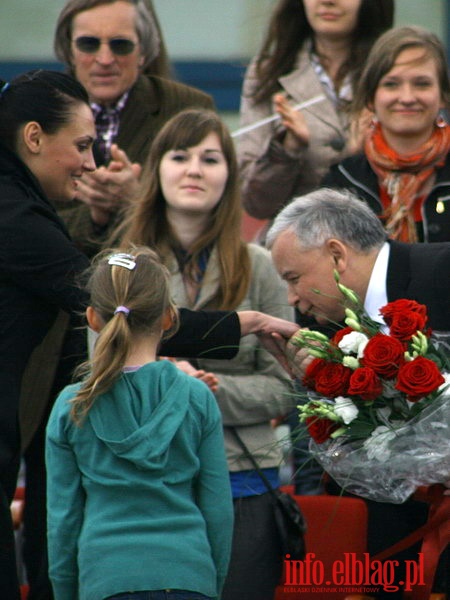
[354, 165]
[263, 272]
[353, 161]
[202, 401]
[60, 417]
[258, 253]
[173, 88]
[63, 401]
[431, 255]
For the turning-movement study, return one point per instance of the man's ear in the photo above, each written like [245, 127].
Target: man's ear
[338, 252]
[32, 137]
[93, 319]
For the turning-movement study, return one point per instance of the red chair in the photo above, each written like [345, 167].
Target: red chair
[252, 228]
[336, 529]
[435, 538]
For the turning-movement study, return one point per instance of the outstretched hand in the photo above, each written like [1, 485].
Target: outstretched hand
[272, 332]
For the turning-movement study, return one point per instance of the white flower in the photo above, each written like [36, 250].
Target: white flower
[377, 445]
[345, 409]
[354, 343]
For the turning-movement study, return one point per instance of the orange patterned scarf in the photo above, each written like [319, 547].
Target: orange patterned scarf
[407, 178]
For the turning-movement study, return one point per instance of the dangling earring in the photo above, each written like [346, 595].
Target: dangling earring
[373, 121]
[440, 121]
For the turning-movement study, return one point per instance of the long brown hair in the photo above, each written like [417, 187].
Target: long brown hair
[143, 291]
[289, 29]
[148, 224]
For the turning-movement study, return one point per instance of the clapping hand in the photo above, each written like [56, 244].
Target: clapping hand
[108, 189]
[297, 132]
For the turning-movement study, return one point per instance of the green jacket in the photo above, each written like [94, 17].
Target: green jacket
[139, 495]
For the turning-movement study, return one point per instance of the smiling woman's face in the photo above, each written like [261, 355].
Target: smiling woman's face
[408, 98]
[64, 156]
[193, 179]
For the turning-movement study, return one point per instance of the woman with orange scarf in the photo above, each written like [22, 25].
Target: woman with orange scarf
[404, 171]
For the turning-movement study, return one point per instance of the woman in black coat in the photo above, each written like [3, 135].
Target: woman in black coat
[46, 132]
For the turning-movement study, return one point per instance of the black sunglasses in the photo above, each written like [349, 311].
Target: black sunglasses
[90, 44]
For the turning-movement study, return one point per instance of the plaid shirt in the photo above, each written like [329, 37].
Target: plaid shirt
[107, 120]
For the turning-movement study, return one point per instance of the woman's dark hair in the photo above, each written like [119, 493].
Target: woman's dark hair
[47, 97]
[289, 29]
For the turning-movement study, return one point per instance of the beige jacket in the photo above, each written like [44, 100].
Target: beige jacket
[253, 388]
[272, 177]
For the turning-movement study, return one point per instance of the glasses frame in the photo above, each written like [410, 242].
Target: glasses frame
[119, 46]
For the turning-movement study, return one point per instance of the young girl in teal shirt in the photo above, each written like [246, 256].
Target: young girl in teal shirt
[139, 502]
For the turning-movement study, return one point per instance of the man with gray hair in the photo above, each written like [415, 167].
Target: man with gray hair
[327, 231]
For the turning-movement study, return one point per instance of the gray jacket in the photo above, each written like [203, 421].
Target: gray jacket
[253, 388]
[271, 176]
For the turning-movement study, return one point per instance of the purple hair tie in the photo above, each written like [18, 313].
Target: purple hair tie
[122, 309]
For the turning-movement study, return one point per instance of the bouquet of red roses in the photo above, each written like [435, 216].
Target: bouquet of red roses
[378, 409]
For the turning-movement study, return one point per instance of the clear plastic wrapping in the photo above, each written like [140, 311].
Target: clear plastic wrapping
[390, 464]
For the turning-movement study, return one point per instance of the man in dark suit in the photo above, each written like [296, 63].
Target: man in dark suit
[328, 231]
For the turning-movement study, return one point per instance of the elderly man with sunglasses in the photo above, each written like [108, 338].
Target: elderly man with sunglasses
[109, 46]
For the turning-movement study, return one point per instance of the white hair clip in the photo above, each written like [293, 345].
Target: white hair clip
[123, 260]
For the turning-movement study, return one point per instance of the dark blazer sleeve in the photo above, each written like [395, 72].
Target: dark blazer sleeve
[36, 254]
[206, 334]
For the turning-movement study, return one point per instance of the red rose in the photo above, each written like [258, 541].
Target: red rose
[404, 325]
[320, 429]
[418, 378]
[384, 354]
[309, 378]
[398, 306]
[404, 318]
[365, 383]
[332, 380]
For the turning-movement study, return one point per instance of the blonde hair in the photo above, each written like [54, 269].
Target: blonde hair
[143, 294]
[147, 222]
